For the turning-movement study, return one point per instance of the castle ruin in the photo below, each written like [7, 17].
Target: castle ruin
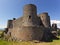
[30, 26]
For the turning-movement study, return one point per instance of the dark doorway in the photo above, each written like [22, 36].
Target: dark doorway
[29, 17]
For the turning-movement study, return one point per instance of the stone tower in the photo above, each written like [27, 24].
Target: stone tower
[54, 29]
[45, 18]
[30, 15]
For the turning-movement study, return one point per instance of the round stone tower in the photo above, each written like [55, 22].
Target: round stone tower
[30, 9]
[30, 15]
[45, 19]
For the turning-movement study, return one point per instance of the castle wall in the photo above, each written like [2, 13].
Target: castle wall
[18, 22]
[28, 33]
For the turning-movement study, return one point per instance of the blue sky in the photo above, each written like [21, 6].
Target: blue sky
[14, 8]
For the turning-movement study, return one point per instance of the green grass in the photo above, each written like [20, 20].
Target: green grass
[55, 42]
[2, 42]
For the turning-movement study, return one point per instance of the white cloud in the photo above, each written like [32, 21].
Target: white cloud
[57, 22]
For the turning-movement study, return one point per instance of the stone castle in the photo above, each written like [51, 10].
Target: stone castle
[30, 26]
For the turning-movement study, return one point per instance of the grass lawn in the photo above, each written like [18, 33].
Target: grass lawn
[55, 42]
